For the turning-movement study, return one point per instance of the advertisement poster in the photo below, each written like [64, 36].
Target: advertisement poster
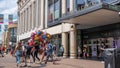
[94, 50]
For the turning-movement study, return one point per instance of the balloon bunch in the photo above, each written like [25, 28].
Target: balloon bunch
[38, 36]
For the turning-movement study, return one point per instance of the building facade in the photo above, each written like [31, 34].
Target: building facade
[72, 23]
[12, 34]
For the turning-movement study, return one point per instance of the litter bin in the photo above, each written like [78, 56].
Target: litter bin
[109, 58]
[112, 58]
[117, 58]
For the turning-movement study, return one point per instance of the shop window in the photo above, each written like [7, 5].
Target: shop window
[94, 42]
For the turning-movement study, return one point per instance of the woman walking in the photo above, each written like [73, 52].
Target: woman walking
[18, 52]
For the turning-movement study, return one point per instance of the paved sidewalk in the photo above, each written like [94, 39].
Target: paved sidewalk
[9, 62]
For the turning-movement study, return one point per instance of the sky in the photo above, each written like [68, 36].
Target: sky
[8, 7]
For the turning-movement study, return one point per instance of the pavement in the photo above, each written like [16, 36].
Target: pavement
[9, 62]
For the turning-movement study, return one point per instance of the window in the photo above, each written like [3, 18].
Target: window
[54, 10]
[51, 12]
[68, 5]
[107, 1]
[80, 4]
[92, 2]
[57, 9]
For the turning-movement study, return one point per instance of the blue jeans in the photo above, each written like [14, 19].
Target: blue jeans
[18, 55]
[102, 56]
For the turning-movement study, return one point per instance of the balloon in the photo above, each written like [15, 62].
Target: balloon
[36, 38]
[48, 35]
[37, 41]
[39, 32]
[31, 43]
[41, 40]
[32, 34]
[44, 36]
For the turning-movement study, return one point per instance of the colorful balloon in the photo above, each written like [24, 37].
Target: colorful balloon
[48, 35]
[44, 36]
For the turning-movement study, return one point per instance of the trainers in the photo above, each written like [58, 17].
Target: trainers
[102, 61]
[45, 62]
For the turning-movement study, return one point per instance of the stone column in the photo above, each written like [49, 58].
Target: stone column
[65, 44]
[46, 13]
[71, 5]
[73, 52]
[42, 13]
[29, 18]
[63, 6]
[36, 14]
[33, 12]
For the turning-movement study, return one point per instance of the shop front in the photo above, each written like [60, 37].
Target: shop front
[93, 39]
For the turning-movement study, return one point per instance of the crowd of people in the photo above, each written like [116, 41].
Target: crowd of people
[38, 52]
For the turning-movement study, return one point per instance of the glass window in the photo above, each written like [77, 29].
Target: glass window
[57, 9]
[91, 2]
[80, 4]
[107, 1]
[68, 5]
[51, 11]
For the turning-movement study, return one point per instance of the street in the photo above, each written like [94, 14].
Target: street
[9, 62]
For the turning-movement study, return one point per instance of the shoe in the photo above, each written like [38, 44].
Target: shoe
[25, 65]
[17, 65]
[45, 62]
[102, 62]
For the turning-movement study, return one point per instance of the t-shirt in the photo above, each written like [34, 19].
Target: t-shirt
[49, 48]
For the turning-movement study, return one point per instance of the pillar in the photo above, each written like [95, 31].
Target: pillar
[73, 49]
[71, 5]
[63, 6]
[65, 43]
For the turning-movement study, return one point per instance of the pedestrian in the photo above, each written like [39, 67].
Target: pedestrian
[49, 52]
[1, 51]
[54, 51]
[27, 54]
[61, 50]
[36, 51]
[18, 53]
[102, 48]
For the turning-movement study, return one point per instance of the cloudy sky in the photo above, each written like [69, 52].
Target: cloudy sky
[8, 7]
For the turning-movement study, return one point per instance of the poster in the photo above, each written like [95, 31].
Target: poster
[94, 50]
